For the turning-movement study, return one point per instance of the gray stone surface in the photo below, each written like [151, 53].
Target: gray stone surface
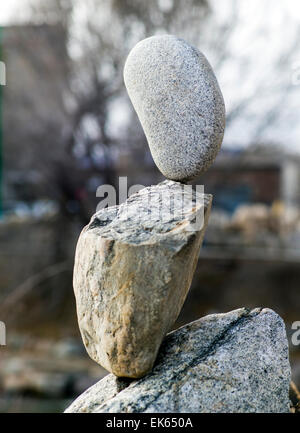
[233, 362]
[179, 103]
[134, 264]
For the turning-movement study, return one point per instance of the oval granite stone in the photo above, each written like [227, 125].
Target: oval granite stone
[179, 103]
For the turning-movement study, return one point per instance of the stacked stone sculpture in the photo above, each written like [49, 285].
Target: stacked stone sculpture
[135, 262]
[133, 270]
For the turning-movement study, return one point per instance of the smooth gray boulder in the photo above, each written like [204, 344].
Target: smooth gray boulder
[179, 104]
[134, 264]
[233, 362]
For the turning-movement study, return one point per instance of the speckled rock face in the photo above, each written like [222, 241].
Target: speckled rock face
[133, 268]
[179, 103]
[233, 362]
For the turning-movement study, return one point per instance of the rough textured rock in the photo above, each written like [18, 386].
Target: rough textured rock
[179, 103]
[234, 362]
[133, 268]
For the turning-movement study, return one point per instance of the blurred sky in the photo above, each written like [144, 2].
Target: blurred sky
[263, 67]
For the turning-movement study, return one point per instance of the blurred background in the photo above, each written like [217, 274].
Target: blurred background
[67, 127]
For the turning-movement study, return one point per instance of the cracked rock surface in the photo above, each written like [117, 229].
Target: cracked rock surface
[233, 362]
[134, 264]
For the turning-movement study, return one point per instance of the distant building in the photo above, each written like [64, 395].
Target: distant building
[260, 175]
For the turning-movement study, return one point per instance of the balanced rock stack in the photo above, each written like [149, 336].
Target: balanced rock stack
[135, 262]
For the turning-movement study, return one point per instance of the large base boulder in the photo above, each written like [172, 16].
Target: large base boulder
[233, 362]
